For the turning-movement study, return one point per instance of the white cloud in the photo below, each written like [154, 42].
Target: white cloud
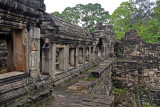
[60, 5]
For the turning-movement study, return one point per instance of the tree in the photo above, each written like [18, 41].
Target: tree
[150, 31]
[85, 15]
[121, 19]
[139, 15]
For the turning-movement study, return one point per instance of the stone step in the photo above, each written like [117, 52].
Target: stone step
[99, 101]
[28, 101]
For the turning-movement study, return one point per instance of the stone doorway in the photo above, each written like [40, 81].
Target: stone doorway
[5, 50]
[59, 60]
[13, 50]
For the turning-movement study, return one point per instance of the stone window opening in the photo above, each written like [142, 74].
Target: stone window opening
[59, 60]
[13, 50]
[5, 50]
[3, 55]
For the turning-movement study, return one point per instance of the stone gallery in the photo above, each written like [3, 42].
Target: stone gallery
[39, 51]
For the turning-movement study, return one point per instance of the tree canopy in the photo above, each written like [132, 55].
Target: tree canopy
[150, 31]
[85, 15]
[141, 15]
[121, 19]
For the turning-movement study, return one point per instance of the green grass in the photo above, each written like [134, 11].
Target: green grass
[90, 78]
[134, 100]
[119, 92]
[149, 106]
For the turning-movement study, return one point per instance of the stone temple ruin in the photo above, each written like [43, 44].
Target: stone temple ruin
[39, 50]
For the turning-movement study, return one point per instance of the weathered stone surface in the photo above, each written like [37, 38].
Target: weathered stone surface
[5, 88]
[139, 66]
[18, 12]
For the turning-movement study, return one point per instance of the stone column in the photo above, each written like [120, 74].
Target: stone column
[107, 49]
[104, 52]
[77, 55]
[71, 57]
[80, 56]
[112, 49]
[34, 60]
[84, 55]
[45, 58]
[66, 57]
[52, 60]
[99, 53]
[61, 59]
[94, 52]
[90, 55]
[87, 54]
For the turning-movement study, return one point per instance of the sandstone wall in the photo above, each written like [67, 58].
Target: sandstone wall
[147, 55]
[138, 67]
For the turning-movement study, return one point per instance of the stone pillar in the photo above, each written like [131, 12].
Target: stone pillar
[87, 54]
[112, 49]
[107, 49]
[84, 55]
[90, 54]
[94, 52]
[99, 53]
[104, 51]
[66, 57]
[80, 55]
[77, 55]
[45, 58]
[61, 59]
[52, 60]
[34, 52]
[71, 56]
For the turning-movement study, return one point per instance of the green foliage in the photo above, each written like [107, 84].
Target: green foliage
[150, 31]
[140, 16]
[134, 100]
[149, 106]
[121, 18]
[56, 13]
[119, 92]
[85, 15]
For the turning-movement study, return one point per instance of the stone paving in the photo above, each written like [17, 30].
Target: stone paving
[74, 94]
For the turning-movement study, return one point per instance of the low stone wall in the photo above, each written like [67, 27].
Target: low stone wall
[95, 85]
[125, 74]
[103, 85]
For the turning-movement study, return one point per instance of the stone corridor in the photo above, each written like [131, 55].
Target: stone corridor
[77, 92]
[43, 56]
